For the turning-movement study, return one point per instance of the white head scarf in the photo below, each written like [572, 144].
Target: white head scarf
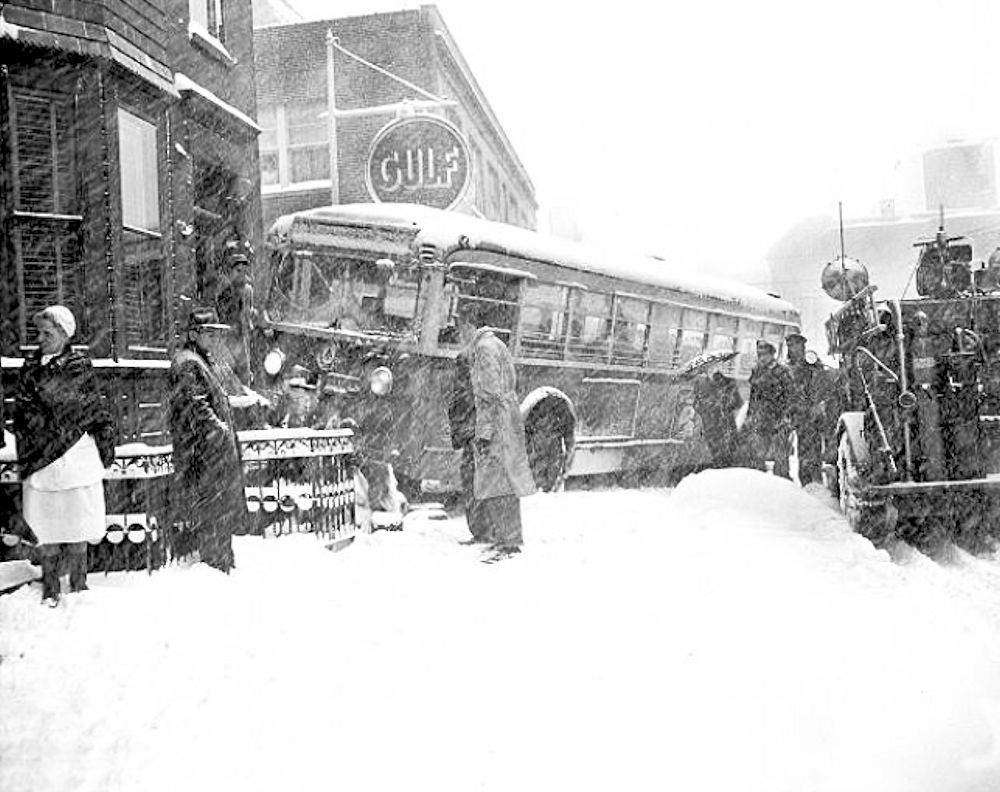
[61, 317]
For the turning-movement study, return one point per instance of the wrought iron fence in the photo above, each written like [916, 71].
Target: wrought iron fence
[297, 480]
[300, 480]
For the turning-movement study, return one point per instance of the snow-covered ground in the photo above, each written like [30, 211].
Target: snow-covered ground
[728, 635]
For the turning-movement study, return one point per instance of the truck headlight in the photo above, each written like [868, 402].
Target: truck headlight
[273, 362]
[380, 381]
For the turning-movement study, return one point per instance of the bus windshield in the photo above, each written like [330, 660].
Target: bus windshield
[344, 292]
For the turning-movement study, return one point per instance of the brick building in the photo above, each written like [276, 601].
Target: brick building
[128, 155]
[414, 45]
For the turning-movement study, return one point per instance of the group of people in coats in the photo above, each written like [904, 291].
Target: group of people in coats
[65, 440]
[798, 397]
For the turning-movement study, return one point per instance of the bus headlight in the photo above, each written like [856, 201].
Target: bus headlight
[273, 362]
[380, 381]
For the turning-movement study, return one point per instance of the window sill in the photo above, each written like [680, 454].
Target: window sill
[144, 232]
[209, 44]
[278, 189]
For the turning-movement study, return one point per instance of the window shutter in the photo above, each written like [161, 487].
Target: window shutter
[46, 225]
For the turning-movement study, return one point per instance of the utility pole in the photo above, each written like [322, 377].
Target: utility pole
[404, 107]
[331, 111]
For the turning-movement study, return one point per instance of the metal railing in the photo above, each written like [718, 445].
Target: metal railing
[297, 480]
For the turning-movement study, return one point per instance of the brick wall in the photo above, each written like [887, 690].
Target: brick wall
[291, 64]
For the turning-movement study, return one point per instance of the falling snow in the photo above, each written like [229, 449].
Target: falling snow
[729, 634]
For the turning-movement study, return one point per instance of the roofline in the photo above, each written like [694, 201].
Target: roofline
[285, 5]
[922, 218]
[436, 226]
[447, 42]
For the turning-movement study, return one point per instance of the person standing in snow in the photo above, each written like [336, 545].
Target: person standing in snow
[768, 422]
[65, 439]
[462, 420]
[500, 471]
[234, 304]
[716, 400]
[208, 465]
[808, 409]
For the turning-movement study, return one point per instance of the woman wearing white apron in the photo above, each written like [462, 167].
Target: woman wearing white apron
[65, 439]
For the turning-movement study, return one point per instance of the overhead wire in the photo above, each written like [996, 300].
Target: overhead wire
[385, 72]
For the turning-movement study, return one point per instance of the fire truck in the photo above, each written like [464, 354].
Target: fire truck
[918, 443]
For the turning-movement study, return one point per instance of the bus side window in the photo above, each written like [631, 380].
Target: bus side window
[750, 331]
[498, 297]
[693, 334]
[631, 331]
[664, 321]
[590, 327]
[543, 320]
[723, 336]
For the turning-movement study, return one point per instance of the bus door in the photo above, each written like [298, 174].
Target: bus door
[497, 287]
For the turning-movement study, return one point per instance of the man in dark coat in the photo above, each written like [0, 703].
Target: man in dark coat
[716, 399]
[500, 471]
[234, 303]
[807, 409]
[768, 423]
[208, 466]
[462, 419]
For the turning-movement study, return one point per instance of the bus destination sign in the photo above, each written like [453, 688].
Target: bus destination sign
[421, 159]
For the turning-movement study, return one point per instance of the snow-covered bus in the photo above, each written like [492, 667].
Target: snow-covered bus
[361, 301]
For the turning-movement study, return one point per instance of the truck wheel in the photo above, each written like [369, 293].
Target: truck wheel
[873, 520]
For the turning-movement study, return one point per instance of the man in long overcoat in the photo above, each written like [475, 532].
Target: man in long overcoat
[501, 474]
[768, 423]
[208, 466]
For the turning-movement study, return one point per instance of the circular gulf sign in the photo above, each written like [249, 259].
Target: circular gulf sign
[421, 159]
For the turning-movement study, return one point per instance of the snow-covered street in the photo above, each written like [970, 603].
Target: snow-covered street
[729, 634]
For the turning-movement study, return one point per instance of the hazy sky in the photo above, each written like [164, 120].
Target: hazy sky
[703, 130]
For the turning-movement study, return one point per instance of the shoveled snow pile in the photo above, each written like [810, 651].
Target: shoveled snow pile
[730, 634]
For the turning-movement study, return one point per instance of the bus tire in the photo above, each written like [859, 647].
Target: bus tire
[548, 433]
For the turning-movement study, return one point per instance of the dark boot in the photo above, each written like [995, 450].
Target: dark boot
[49, 558]
[77, 553]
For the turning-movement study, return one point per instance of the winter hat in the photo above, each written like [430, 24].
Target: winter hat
[60, 316]
[204, 318]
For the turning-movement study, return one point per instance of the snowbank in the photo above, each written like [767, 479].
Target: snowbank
[729, 635]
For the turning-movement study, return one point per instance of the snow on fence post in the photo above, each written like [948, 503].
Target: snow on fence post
[300, 480]
[297, 480]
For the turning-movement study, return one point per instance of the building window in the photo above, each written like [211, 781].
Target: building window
[46, 219]
[308, 144]
[267, 119]
[139, 175]
[142, 291]
[294, 144]
[207, 14]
